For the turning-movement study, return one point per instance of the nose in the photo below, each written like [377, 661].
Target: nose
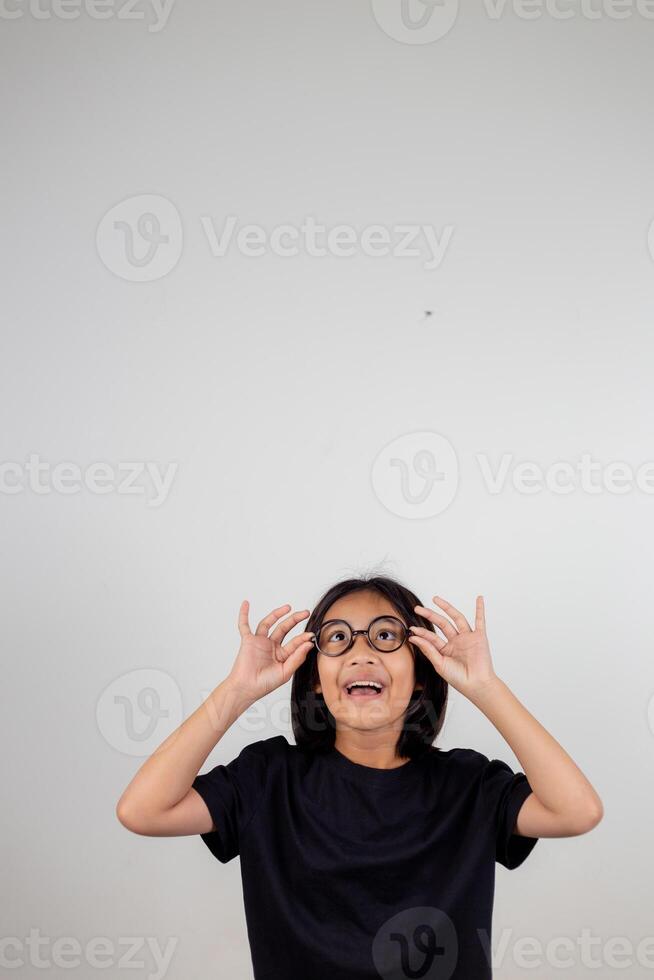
[364, 647]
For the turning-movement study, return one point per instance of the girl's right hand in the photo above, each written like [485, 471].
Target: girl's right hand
[262, 663]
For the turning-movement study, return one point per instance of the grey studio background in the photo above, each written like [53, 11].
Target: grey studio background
[205, 399]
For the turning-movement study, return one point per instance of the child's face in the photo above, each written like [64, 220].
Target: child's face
[394, 670]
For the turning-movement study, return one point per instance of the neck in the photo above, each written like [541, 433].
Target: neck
[370, 749]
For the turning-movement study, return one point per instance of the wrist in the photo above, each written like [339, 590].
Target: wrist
[486, 689]
[226, 704]
[236, 697]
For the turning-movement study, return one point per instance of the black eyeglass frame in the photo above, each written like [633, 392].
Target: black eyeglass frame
[366, 633]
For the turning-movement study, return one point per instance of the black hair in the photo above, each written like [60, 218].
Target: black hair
[314, 725]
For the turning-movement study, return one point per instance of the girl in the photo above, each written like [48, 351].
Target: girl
[366, 852]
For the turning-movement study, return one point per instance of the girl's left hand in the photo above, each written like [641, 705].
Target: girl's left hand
[463, 660]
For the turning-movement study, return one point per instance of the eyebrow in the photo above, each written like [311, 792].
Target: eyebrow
[339, 619]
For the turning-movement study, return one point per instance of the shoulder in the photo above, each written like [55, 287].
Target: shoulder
[270, 749]
[467, 766]
[462, 758]
[494, 778]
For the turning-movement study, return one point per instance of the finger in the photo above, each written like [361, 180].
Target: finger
[265, 624]
[441, 621]
[454, 614]
[296, 651]
[297, 641]
[480, 615]
[433, 655]
[429, 636]
[287, 624]
[243, 624]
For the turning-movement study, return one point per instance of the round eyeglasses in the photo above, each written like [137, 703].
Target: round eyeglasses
[385, 633]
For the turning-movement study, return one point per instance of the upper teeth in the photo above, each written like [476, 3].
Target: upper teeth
[364, 684]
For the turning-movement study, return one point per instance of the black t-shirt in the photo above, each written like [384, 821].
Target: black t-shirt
[356, 873]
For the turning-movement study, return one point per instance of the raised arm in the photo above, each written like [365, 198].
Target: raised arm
[563, 802]
[160, 800]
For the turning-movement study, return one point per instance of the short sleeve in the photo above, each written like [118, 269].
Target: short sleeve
[232, 794]
[504, 792]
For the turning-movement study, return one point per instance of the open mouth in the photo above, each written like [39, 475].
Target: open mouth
[364, 689]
